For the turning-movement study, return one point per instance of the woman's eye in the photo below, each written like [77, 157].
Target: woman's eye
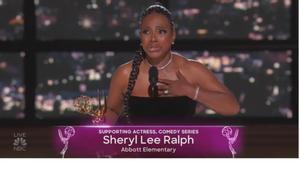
[145, 31]
[162, 31]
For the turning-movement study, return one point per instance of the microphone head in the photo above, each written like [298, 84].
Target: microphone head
[153, 75]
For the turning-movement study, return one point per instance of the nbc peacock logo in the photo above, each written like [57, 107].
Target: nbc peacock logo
[19, 143]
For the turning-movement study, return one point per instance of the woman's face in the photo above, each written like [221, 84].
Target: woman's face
[156, 35]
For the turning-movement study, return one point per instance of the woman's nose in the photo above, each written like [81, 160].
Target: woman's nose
[153, 37]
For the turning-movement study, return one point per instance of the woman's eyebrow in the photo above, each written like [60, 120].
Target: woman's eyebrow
[161, 27]
[145, 27]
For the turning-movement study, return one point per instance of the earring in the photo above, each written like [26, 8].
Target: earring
[173, 43]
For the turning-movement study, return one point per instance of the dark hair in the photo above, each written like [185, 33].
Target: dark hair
[157, 8]
[137, 60]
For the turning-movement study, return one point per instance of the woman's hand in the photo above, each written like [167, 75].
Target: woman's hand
[178, 87]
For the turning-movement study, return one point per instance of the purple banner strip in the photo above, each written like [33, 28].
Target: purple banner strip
[148, 141]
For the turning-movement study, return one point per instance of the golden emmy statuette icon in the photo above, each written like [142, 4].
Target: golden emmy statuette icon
[84, 105]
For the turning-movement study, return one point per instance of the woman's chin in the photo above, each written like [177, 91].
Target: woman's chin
[154, 55]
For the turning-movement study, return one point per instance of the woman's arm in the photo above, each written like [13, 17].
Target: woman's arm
[198, 83]
[211, 92]
[115, 96]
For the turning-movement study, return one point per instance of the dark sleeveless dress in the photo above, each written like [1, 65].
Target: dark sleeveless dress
[161, 110]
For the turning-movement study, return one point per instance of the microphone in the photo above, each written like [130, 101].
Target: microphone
[153, 78]
[153, 75]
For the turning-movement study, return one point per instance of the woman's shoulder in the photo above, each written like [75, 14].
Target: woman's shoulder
[124, 69]
[121, 76]
[187, 64]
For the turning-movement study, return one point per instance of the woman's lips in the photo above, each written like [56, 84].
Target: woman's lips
[154, 49]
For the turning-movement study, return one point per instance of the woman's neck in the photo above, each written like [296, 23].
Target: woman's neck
[160, 63]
